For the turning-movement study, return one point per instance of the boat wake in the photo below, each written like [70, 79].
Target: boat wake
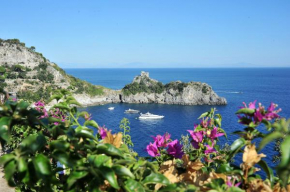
[234, 92]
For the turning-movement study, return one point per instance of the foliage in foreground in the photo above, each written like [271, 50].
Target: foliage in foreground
[50, 150]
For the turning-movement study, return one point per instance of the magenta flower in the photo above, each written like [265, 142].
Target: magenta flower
[88, 117]
[215, 134]
[166, 137]
[152, 150]
[175, 149]
[252, 105]
[205, 123]
[209, 149]
[103, 132]
[258, 116]
[231, 182]
[196, 138]
[159, 140]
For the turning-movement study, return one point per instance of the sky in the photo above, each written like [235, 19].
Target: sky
[152, 33]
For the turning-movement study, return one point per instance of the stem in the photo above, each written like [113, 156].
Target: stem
[74, 118]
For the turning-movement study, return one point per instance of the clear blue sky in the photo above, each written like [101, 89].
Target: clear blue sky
[152, 33]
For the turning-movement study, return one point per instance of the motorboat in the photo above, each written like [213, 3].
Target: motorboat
[131, 111]
[150, 116]
[111, 108]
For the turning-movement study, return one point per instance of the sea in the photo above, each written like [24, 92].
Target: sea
[237, 85]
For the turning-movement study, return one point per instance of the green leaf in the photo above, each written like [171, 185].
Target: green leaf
[59, 145]
[42, 164]
[204, 115]
[123, 171]
[236, 146]
[156, 178]
[246, 111]
[109, 149]
[235, 189]
[6, 158]
[224, 168]
[62, 157]
[285, 150]
[91, 123]
[74, 102]
[74, 176]
[268, 138]
[85, 134]
[61, 106]
[22, 165]
[9, 170]
[4, 128]
[22, 105]
[57, 97]
[109, 175]
[33, 143]
[100, 160]
[268, 171]
[133, 186]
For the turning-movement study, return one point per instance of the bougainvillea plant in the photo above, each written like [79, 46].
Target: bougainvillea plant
[39, 141]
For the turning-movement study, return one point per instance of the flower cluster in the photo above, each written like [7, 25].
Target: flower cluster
[103, 132]
[257, 114]
[55, 112]
[40, 106]
[204, 137]
[164, 143]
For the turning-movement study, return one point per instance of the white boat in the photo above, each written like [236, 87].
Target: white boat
[150, 116]
[131, 111]
[111, 108]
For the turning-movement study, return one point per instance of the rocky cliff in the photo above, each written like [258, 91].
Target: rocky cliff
[146, 90]
[33, 77]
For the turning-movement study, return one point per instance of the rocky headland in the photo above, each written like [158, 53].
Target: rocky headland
[29, 74]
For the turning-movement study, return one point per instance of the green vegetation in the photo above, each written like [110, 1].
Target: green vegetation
[154, 87]
[79, 86]
[12, 41]
[38, 141]
[40, 94]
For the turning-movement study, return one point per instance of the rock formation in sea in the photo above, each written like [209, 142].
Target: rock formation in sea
[143, 89]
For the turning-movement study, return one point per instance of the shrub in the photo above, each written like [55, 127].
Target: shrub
[39, 140]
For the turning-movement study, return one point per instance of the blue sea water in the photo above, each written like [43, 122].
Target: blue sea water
[265, 85]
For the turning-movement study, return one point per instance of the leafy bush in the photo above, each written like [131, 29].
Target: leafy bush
[39, 140]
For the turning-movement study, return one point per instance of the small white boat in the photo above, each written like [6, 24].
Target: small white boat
[131, 111]
[150, 116]
[111, 108]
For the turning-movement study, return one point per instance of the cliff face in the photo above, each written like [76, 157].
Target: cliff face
[32, 76]
[192, 93]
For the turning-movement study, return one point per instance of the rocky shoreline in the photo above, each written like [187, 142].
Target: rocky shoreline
[192, 93]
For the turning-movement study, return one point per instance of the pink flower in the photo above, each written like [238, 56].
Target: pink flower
[152, 150]
[103, 132]
[205, 123]
[258, 116]
[88, 117]
[175, 149]
[209, 149]
[214, 134]
[159, 140]
[197, 138]
[231, 182]
[252, 105]
[166, 137]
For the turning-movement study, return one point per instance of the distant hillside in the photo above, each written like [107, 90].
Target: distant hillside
[33, 77]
